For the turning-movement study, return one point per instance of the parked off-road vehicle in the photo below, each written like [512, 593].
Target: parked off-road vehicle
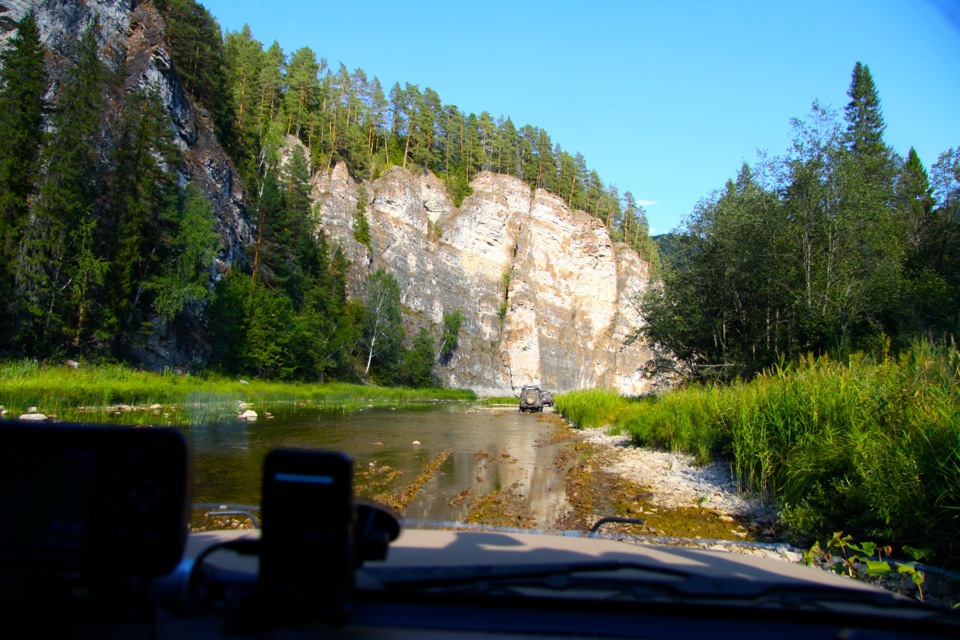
[530, 399]
[546, 398]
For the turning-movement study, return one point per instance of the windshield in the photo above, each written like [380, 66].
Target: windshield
[471, 466]
[640, 303]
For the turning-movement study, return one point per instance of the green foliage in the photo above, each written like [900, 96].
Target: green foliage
[55, 263]
[589, 408]
[361, 229]
[142, 214]
[85, 393]
[23, 83]
[865, 561]
[227, 321]
[266, 333]
[382, 328]
[197, 51]
[458, 187]
[837, 247]
[184, 277]
[868, 447]
[865, 124]
[452, 323]
[268, 338]
[418, 361]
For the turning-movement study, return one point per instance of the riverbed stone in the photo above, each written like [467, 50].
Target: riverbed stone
[675, 481]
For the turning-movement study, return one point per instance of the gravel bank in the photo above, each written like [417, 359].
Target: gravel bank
[675, 481]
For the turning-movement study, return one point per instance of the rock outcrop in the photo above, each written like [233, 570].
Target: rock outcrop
[546, 295]
[132, 38]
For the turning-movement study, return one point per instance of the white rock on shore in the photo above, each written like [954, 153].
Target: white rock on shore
[675, 481]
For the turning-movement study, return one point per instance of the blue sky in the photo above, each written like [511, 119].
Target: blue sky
[665, 99]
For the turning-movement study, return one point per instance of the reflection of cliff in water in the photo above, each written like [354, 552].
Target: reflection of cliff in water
[508, 478]
[500, 469]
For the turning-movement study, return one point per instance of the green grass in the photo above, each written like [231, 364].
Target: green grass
[80, 393]
[500, 400]
[865, 447]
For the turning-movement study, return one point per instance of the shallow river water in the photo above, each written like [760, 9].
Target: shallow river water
[480, 450]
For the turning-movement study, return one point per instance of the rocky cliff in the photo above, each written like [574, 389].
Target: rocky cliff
[132, 40]
[548, 298]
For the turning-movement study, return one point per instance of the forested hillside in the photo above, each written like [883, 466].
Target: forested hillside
[107, 248]
[838, 246]
[259, 94]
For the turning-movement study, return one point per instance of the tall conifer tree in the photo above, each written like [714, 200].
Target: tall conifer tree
[142, 208]
[865, 123]
[57, 265]
[23, 83]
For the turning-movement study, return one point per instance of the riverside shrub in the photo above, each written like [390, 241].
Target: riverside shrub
[869, 447]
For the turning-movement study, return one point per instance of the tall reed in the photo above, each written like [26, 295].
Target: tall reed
[862, 446]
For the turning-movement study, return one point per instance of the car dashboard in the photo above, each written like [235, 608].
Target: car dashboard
[107, 554]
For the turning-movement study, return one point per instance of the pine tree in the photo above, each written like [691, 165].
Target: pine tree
[303, 91]
[57, 266]
[23, 83]
[915, 203]
[197, 51]
[866, 181]
[295, 237]
[182, 278]
[245, 60]
[142, 209]
[865, 125]
[377, 120]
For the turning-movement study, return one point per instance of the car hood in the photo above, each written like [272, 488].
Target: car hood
[461, 551]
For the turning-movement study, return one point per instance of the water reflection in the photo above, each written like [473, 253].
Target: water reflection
[491, 452]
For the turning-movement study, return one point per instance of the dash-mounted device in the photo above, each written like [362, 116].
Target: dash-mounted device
[92, 500]
[307, 539]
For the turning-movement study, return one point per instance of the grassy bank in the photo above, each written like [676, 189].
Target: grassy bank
[864, 447]
[71, 393]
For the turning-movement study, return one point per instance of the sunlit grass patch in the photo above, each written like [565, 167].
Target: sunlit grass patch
[864, 446]
[92, 392]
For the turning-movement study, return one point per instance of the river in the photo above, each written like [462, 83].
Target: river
[442, 462]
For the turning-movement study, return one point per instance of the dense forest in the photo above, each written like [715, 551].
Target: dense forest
[77, 173]
[258, 95]
[839, 246]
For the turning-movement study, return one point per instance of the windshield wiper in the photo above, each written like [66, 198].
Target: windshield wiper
[637, 581]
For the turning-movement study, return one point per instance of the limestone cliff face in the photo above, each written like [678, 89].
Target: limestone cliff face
[547, 297]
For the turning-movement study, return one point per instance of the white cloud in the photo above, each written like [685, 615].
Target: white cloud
[646, 203]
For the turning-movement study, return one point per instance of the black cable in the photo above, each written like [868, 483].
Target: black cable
[195, 582]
